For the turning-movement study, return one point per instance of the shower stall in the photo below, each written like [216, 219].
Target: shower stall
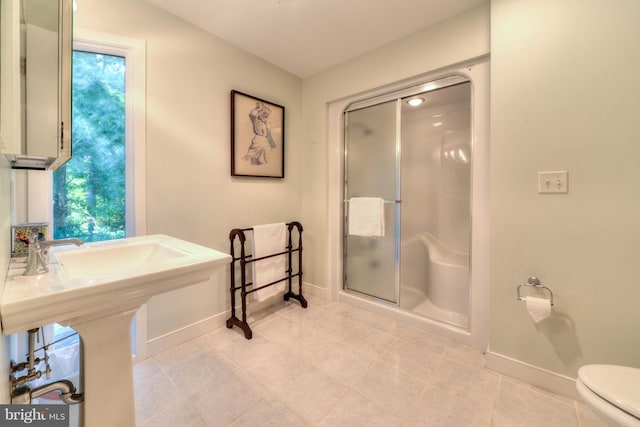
[412, 148]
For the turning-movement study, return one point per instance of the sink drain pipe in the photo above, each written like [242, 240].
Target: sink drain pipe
[23, 395]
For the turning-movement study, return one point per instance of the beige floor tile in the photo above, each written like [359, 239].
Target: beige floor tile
[278, 329]
[339, 307]
[315, 299]
[145, 369]
[412, 358]
[431, 341]
[346, 364]
[476, 387]
[178, 414]
[269, 412]
[272, 364]
[179, 354]
[370, 341]
[311, 395]
[588, 419]
[375, 321]
[524, 406]
[235, 345]
[244, 350]
[310, 345]
[335, 325]
[226, 398]
[194, 374]
[465, 354]
[305, 316]
[355, 410]
[391, 388]
[152, 395]
[441, 408]
[223, 339]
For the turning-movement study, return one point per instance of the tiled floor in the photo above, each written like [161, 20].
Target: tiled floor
[336, 365]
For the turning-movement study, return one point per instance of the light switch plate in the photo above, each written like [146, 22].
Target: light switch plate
[553, 182]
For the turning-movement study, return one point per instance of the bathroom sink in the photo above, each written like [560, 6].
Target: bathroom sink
[98, 279]
[96, 289]
[117, 259]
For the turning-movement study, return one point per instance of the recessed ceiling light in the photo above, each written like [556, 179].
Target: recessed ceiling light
[414, 102]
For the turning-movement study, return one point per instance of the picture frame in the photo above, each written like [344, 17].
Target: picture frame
[257, 137]
[20, 234]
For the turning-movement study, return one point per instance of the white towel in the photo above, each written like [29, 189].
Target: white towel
[269, 239]
[366, 216]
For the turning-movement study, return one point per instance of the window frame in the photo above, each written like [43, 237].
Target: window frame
[134, 52]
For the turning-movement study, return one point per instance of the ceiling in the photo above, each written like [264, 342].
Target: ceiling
[308, 36]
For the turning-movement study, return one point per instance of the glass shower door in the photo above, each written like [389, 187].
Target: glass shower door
[420, 137]
[371, 264]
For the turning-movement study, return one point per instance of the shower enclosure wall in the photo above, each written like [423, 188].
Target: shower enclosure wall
[413, 149]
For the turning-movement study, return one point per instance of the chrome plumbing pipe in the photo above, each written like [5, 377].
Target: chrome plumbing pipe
[24, 395]
[32, 346]
[66, 389]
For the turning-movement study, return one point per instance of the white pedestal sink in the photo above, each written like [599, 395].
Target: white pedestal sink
[96, 289]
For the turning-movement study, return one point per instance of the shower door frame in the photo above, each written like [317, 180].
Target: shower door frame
[397, 202]
[397, 96]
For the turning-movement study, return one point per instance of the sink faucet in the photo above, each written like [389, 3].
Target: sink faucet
[38, 248]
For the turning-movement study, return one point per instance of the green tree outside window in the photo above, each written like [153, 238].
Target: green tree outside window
[89, 190]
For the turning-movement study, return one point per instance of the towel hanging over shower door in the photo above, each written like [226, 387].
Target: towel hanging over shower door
[366, 216]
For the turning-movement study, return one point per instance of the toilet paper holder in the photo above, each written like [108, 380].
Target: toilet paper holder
[535, 283]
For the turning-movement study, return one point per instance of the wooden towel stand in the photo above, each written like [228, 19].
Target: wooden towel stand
[245, 259]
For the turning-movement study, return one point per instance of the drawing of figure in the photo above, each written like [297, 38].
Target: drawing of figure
[257, 152]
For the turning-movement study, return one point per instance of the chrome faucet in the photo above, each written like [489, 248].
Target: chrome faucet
[38, 248]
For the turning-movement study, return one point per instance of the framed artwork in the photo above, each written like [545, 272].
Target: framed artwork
[257, 137]
[20, 234]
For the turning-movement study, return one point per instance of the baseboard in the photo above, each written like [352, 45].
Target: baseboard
[316, 291]
[541, 378]
[201, 327]
[186, 333]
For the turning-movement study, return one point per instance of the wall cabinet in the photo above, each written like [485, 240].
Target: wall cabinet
[35, 91]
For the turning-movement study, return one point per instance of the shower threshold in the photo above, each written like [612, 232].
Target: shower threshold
[418, 303]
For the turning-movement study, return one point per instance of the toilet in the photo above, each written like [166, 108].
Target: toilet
[613, 392]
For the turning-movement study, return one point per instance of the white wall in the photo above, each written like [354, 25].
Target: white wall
[190, 192]
[566, 96]
[5, 253]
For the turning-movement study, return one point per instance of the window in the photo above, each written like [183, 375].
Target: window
[89, 196]
[124, 60]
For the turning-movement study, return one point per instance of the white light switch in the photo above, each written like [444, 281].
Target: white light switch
[553, 182]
